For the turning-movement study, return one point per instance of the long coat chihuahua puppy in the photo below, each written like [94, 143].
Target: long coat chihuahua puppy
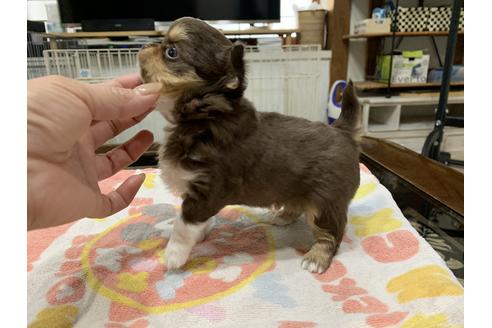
[220, 151]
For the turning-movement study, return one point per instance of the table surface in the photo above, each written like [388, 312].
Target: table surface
[439, 182]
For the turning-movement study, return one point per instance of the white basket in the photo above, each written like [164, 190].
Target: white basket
[291, 80]
[35, 67]
[91, 65]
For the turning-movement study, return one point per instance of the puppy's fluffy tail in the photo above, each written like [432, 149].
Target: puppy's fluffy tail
[349, 119]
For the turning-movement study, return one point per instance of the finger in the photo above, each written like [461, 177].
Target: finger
[119, 199]
[122, 156]
[79, 104]
[110, 102]
[102, 131]
[127, 81]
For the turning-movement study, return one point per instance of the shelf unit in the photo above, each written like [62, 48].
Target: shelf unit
[397, 34]
[411, 118]
[388, 86]
[374, 46]
[373, 85]
[408, 119]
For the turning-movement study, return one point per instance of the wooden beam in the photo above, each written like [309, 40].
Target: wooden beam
[439, 182]
[339, 26]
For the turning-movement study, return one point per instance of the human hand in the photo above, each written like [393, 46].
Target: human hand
[67, 121]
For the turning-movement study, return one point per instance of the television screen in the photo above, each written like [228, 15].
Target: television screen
[75, 11]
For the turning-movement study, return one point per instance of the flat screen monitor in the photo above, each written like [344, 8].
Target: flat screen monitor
[76, 11]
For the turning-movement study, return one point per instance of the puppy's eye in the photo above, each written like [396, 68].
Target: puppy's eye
[172, 52]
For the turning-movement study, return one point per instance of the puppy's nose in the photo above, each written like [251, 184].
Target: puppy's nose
[149, 45]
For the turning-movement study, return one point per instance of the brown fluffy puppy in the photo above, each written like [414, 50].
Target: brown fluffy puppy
[220, 151]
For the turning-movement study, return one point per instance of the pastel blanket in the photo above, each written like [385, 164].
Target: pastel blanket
[109, 272]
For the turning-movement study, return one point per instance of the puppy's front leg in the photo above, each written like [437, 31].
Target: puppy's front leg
[188, 230]
[184, 237]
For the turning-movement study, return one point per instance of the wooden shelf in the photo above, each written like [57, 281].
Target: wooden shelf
[413, 98]
[372, 85]
[81, 35]
[257, 31]
[382, 35]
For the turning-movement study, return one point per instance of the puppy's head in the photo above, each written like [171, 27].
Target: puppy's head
[194, 58]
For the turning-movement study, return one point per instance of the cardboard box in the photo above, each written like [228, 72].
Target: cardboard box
[373, 26]
[408, 67]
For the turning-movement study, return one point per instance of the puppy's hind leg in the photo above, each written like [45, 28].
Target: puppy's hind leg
[328, 225]
[189, 229]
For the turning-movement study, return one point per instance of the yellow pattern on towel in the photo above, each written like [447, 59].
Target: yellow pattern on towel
[133, 282]
[435, 321]
[427, 281]
[62, 316]
[381, 221]
[149, 180]
[365, 190]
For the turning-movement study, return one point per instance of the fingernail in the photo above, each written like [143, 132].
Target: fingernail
[148, 88]
[141, 176]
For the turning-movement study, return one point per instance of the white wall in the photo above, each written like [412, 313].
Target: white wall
[42, 10]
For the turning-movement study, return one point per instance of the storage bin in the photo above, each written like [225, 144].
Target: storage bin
[312, 26]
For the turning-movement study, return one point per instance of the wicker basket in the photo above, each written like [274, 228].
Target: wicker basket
[440, 19]
[312, 25]
[413, 19]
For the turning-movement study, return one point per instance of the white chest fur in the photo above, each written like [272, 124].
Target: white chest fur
[165, 104]
[175, 177]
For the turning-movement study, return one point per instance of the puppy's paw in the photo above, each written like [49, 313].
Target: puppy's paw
[176, 255]
[316, 261]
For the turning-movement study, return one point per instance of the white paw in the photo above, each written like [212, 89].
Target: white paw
[226, 273]
[176, 255]
[313, 266]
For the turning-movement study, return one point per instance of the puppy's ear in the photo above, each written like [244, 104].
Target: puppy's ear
[237, 63]
[237, 54]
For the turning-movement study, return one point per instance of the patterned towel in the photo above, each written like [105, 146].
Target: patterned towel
[109, 272]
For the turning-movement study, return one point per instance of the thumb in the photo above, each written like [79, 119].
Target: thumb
[118, 199]
[112, 102]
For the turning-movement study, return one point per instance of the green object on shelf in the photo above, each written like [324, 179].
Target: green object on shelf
[413, 53]
[408, 67]
[383, 68]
